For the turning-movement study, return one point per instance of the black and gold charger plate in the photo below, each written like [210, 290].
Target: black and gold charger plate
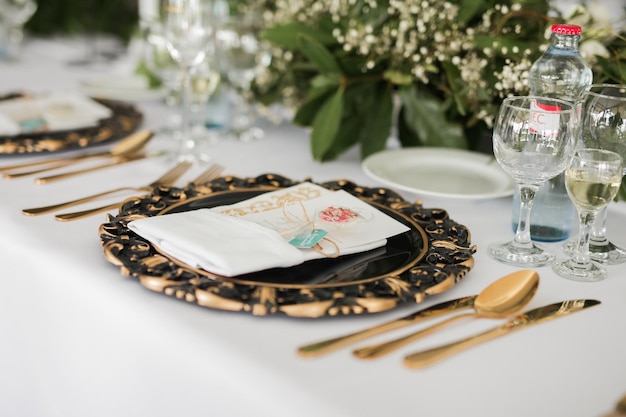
[431, 257]
[125, 118]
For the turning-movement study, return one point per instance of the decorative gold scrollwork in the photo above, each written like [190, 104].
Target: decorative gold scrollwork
[446, 258]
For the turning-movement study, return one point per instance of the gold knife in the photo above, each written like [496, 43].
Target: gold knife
[326, 346]
[538, 315]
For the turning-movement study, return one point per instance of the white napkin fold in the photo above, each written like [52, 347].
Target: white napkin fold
[248, 238]
[220, 244]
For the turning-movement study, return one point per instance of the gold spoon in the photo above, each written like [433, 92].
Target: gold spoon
[500, 299]
[127, 146]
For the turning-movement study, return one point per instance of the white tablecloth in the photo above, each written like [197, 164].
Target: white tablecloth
[79, 339]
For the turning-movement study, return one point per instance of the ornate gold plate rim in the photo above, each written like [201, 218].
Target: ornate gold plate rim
[124, 120]
[447, 258]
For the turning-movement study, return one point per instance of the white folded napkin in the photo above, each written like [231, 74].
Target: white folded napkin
[219, 242]
[50, 112]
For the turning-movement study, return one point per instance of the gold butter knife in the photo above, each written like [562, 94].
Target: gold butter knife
[114, 163]
[538, 315]
[326, 346]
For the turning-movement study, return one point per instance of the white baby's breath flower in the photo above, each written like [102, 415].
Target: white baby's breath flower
[592, 48]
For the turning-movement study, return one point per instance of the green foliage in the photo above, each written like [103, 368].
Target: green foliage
[115, 17]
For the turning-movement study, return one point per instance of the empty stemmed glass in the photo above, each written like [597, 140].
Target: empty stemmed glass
[13, 15]
[158, 60]
[533, 141]
[188, 28]
[604, 127]
[592, 180]
[242, 55]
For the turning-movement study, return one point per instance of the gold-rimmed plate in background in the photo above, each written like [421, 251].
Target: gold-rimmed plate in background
[125, 118]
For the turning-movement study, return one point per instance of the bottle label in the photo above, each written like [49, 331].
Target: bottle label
[544, 119]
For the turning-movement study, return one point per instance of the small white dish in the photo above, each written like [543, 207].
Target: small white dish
[121, 87]
[440, 172]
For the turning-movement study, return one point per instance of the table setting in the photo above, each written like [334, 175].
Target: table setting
[189, 268]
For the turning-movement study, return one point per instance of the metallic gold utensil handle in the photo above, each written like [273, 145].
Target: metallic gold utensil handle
[50, 167]
[49, 209]
[521, 321]
[56, 162]
[66, 217]
[116, 162]
[327, 346]
[380, 349]
[431, 356]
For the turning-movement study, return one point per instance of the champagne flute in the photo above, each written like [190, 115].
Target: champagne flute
[604, 127]
[592, 180]
[242, 56]
[188, 26]
[533, 141]
[158, 60]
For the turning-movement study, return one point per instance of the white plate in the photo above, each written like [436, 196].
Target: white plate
[440, 172]
[121, 87]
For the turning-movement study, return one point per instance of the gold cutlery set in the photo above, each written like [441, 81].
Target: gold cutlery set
[503, 298]
[127, 150]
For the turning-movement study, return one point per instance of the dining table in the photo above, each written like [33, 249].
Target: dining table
[82, 338]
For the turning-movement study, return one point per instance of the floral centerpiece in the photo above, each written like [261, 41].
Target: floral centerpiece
[435, 69]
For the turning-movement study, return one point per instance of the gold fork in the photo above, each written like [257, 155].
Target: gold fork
[169, 177]
[207, 175]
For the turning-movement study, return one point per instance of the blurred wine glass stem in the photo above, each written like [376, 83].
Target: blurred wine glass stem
[581, 255]
[243, 117]
[187, 142]
[527, 197]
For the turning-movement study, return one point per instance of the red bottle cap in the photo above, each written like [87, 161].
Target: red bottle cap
[567, 29]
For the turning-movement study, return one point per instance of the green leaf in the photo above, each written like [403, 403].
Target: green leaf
[468, 9]
[376, 120]
[398, 78]
[326, 125]
[347, 136]
[407, 136]
[286, 36]
[154, 81]
[318, 54]
[308, 110]
[425, 115]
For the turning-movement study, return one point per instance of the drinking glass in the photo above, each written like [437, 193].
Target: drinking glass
[13, 15]
[604, 127]
[592, 180]
[533, 141]
[158, 60]
[188, 28]
[242, 56]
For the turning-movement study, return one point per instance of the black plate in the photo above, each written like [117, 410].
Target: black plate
[430, 258]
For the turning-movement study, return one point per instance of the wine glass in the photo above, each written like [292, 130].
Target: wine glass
[592, 180]
[533, 140]
[159, 61]
[13, 15]
[188, 28]
[242, 56]
[604, 127]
